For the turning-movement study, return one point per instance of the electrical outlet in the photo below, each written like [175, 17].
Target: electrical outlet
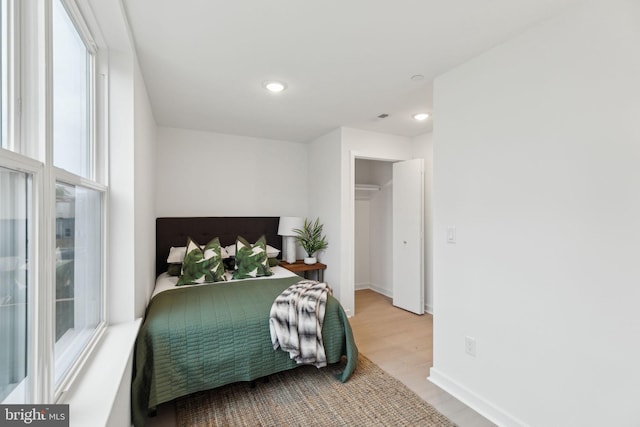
[470, 346]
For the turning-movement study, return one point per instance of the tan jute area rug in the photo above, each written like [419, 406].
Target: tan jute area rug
[307, 396]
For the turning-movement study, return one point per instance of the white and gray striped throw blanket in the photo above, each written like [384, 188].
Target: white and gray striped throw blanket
[295, 321]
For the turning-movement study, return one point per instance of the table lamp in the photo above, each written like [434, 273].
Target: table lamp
[285, 228]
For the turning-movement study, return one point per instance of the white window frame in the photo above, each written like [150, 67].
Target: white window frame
[16, 162]
[30, 150]
[66, 177]
[61, 175]
[12, 158]
[11, 102]
[85, 35]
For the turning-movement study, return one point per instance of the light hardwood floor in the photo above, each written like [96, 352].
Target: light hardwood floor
[400, 343]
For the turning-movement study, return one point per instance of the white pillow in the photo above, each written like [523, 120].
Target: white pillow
[271, 251]
[176, 254]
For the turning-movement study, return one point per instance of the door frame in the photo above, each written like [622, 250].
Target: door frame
[350, 242]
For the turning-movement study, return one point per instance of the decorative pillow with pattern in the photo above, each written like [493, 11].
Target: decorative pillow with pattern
[176, 254]
[231, 251]
[202, 265]
[251, 260]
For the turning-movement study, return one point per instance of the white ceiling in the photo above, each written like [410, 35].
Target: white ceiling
[345, 61]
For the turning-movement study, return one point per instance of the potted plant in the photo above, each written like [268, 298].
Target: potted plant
[311, 239]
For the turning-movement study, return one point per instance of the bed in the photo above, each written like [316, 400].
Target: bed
[200, 337]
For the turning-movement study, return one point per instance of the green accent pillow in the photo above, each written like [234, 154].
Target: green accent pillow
[202, 265]
[174, 269]
[274, 262]
[251, 260]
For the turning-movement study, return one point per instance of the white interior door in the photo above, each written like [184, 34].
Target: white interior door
[408, 235]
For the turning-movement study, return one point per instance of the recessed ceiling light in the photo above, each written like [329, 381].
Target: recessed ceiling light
[421, 116]
[274, 86]
[417, 77]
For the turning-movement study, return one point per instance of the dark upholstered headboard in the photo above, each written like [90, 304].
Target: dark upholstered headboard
[174, 232]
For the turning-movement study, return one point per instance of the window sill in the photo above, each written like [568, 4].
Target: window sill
[94, 394]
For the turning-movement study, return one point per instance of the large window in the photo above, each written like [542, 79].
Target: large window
[52, 203]
[78, 271]
[71, 96]
[4, 76]
[15, 222]
[79, 219]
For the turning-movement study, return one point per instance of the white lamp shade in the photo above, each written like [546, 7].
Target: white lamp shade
[289, 223]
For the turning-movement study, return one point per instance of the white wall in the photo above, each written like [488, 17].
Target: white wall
[381, 224]
[121, 268]
[423, 149]
[536, 163]
[362, 272]
[145, 130]
[324, 202]
[212, 174]
[373, 172]
[132, 147]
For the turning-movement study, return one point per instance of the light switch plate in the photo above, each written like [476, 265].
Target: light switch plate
[451, 234]
[470, 346]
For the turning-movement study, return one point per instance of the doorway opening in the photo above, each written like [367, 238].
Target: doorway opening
[373, 226]
[388, 233]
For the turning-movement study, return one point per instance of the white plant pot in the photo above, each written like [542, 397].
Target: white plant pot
[310, 260]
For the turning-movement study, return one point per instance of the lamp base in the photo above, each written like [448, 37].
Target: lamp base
[290, 249]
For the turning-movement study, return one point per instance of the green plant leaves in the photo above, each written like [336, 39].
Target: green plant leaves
[310, 237]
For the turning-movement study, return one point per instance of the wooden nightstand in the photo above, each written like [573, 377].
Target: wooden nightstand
[300, 267]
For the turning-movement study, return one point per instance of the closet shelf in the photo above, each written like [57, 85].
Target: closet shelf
[367, 187]
[366, 191]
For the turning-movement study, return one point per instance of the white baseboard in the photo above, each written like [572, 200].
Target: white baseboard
[381, 290]
[362, 286]
[485, 408]
[376, 288]
[386, 292]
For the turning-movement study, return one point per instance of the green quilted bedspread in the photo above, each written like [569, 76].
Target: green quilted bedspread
[202, 337]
